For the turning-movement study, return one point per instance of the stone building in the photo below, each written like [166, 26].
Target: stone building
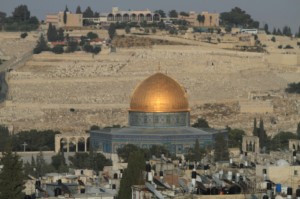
[117, 15]
[73, 20]
[210, 19]
[159, 114]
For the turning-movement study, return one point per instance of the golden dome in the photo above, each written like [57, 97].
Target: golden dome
[159, 93]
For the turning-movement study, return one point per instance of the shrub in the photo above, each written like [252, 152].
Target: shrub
[273, 39]
[88, 48]
[58, 49]
[72, 46]
[147, 30]
[127, 29]
[92, 35]
[153, 30]
[23, 35]
[288, 47]
[280, 46]
[96, 49]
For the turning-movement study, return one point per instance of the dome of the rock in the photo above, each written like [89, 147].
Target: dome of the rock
[159, 93]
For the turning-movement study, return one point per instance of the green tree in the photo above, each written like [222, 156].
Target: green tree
[21, 13]
[221, 149]
[133, 175]
[125, 151]
[92, 35]
[59, 162]
[274, 31]
[51, 33]
[281, 140]
[266, 28]
[11, 176]
[41, 45]
[58, 49]
[112, 31]
[36, 140]
[279, 32]
[96, 50]
[200, 19]
[23, 35]
[201, 123]
[173, 14]
[197, 151]
[60, 34]
[263, 138]
[235, 136]
[72, 46]
[88, 13]
[255, 129]
[78, 10]
[182, 13]
[4, 135]
[65, 15]
[238, 17]
[273, 39]
[298, 35]
[96, 14]
[127, 29]
[157, 150]
[287, 31]
[161, 13]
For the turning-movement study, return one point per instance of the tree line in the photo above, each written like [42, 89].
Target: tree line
[33, 139]
[20, 20]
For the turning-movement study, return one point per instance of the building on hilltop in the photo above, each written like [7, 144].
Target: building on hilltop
[73, 20]
[117, 15]
[210, 19]
[159, 114]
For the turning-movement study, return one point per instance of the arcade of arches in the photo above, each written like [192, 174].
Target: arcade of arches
[71, 142]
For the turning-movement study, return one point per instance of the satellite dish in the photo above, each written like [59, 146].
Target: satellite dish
[153, 190]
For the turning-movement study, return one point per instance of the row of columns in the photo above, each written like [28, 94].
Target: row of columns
[65, 141]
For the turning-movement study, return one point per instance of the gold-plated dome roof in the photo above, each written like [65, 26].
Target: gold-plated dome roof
[159, 93]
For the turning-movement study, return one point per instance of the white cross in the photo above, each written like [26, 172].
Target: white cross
[24, 145]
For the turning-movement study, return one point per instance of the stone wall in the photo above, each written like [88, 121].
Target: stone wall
[71, 92]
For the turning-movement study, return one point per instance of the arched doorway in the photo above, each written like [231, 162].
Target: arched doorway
[81, 144]
[72, 144]
[149, 17]
[126, 17]
[110, 17]
[63, 145]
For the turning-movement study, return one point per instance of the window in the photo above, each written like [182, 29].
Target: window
[295, 172]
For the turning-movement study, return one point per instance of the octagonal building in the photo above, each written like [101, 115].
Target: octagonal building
[159, 114]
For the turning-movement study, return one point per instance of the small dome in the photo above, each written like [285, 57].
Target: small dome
[159, 93]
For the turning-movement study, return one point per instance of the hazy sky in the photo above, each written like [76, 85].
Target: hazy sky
[274, 12]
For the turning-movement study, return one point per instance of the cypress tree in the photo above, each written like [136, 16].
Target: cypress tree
[274, 31]
[255, 131]
[221, 148]
[133, 175]
[78, 10]
[262, 134]
[12, 176]
[65, 15]
[197, 152]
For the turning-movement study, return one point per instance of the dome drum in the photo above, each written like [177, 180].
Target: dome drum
[173, 119]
